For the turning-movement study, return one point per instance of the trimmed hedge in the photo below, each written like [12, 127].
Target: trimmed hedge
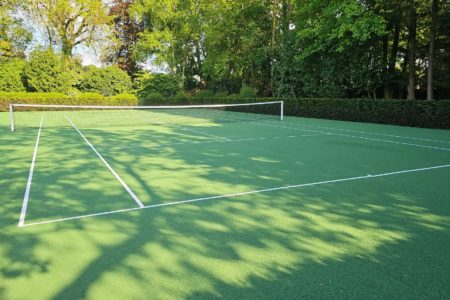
[56, 98]
[419, 113]
[430, 114]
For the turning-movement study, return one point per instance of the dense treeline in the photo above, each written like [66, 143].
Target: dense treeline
[280, 48]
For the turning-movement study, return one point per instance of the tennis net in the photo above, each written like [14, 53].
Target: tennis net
[33, 115]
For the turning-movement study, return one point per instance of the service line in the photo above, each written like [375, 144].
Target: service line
[362, 177]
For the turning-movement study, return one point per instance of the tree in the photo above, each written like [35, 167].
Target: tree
[240, 46]
[48, 72]
[108, 81]
[412, 32]
[126, 30]
[338, 50]
[14, 36]
[146, 84]
[71, 22]
[431, 55]
[11, 75]
[173, 34]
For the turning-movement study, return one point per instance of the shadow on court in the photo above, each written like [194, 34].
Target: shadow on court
[384, 237]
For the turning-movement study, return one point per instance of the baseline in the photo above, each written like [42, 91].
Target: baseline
[368, 176]
[127, 188]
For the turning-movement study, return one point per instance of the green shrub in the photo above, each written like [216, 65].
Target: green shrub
[247, 92]
[204, 94]
[125, 99]
[432, 114]
[165, 84]
[152, 99]
[47, 72]
[180, 97]
[221, 94]
[62, 99]
[107, 81]
[88, 95]
[11, 75]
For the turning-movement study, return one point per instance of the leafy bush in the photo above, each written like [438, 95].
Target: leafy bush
[152, 98]
[165, 84]
[204, 94]
[25, 96]
[88, 95]
[107, 81]
[221, 94]
[180, 97]
[247, 92]
[47, 72]
[11, 75]
[125, 99]
[57, 98]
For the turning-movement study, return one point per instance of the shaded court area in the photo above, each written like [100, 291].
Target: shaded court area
[239, 209]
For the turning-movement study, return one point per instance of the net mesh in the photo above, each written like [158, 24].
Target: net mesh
[30, 116]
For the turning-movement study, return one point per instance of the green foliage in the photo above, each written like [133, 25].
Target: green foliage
[14, 36]
[204, 94]
[71, 22]
[11, 75]
[431, 114]
[124, 98]
[221, 94]
[165, 84]
[247, 92]
[180, 97]
[88, 95]
[48, 72]
[239, 46]
[107, 81]
[152, 98]
[58, 98]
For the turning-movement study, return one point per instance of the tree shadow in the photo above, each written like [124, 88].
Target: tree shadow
[344, 240]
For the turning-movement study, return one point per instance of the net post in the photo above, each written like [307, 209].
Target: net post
[282, 110]
[11, 117]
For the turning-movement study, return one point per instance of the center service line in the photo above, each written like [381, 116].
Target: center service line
[127, 188]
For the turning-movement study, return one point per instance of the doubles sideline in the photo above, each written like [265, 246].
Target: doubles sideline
[26, 197]
[368, 176]
[355, 137]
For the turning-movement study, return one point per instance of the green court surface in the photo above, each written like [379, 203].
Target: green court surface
[300, 208]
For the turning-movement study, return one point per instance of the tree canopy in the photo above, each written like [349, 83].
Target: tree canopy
[284, 48]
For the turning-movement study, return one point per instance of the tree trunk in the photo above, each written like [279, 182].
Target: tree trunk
[412, 51]
[389, 89]
[434, 13]
[273, 42]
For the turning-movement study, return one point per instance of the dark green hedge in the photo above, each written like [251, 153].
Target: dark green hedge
[56, 98]
[419, 113]
[431, 114]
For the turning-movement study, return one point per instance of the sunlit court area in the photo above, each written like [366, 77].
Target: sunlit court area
[205, 149]
[220, 202]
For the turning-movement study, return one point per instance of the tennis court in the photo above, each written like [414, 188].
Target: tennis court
[227, 204]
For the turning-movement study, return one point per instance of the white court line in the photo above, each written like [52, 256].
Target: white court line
[357, 137]
[221, 141]
[207, 134]
[380, 134]
[369, 176]
[132, 194]
[26, 197]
